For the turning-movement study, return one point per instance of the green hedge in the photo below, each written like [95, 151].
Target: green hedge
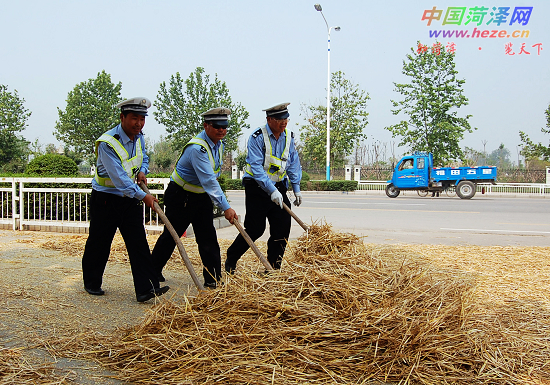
[314, 185]
[234, 184]
[52, 165]
[326, 185]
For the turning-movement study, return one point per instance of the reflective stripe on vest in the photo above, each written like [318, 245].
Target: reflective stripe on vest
[189, 186]
[130, 165]
[274, 167]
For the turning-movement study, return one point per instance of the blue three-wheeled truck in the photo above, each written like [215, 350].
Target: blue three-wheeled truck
[416, 172]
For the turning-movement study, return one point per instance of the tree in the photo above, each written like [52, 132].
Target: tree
[163, 157]
[51, 148]
[181, 103]
[348, 118]
[240, 160]
[473, 157]
[13, 119]
[91, 111]
[430, 101]
[500, 158]
[533, 150]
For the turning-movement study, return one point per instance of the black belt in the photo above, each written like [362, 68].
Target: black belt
[114, 197]
[252, 182]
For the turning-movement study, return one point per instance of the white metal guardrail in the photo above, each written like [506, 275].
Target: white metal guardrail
[371, 185]
[58, 204]
[61, 204]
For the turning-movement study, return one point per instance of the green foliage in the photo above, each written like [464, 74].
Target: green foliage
[430, 102]
[329, 185]
[52, 165]
[222, 180]
[305, 176]
[35, 149]
[533, 150]
[13, 119]
[51, 149]
[91, 111]
[234, 184]
[240, 160]
[305, 184]
[159, 175]
[14, 166]
[181, 103]
[78, 159]
[163, 157]
[473, 157]
[348, 118]
[538, 164]
[500, 158]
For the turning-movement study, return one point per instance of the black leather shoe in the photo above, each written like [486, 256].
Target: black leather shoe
[94, 291]
[161, 278]
[230, 269]
[152, 293]
[210, 285]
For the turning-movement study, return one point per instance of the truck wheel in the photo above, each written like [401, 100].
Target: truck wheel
[450, 191]
[466, 189]
[392, 191]
[422, 193]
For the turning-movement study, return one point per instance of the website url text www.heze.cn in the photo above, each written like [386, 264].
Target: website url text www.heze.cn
[479, 33]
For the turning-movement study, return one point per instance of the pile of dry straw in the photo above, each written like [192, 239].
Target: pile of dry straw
[339, 312]
[15, 369]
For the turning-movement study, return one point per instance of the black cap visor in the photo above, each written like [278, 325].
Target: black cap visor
[135, 108]
[279, 115]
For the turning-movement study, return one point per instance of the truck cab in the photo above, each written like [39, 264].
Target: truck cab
[413, 171]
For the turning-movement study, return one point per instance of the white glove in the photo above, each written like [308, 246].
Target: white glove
[298, 200]
[277, 197]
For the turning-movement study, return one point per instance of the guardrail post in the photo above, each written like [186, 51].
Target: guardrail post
[14, 203]
[21, 205]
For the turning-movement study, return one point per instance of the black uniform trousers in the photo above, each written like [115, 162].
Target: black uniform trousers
[259, 207]
[107, 213]
[184, 208]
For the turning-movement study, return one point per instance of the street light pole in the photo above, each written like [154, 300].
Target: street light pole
[320, 9]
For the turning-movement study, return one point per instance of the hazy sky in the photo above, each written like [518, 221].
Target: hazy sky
[273, 52]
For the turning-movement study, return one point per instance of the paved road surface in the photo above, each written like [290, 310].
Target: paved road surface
[483, 220]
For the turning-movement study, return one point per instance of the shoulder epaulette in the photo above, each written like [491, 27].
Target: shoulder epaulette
[291, 134]
[116, 136]
[258, 132]
[203, 149]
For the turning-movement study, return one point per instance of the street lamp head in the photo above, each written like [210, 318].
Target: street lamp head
[318, 7]
[337, 28]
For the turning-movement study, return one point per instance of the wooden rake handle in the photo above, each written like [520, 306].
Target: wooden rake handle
[174, 234]
[252, 245]
[293, 215]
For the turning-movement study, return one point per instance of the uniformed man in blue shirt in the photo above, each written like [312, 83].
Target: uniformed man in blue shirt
[192, 189]
[272, 168]
[116, 203]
